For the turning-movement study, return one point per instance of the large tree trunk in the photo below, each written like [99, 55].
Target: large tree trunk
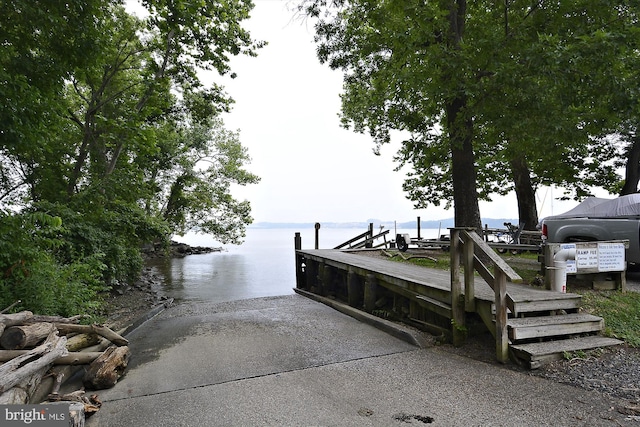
[460, 127]
[526, 195]
[632, 168]
[465, 196]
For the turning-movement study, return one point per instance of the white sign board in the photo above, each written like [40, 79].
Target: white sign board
[611, 257]
[592, 257]
[587, 257]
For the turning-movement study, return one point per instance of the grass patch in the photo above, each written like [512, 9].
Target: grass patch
[525, 264]
[620, 311]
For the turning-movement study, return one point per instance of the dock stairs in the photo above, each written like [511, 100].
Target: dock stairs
[545, 330]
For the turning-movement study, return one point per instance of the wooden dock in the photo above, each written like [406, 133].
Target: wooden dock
[531, 325]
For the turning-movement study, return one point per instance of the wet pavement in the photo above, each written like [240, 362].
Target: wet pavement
[290, 361]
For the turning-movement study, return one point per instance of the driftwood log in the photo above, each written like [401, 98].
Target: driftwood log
[107, 369]
[55, 319]
[20, 393]
[103, 331]
[76, 414]
[72, 358]
[7, 320]
[23, 336]
[81, 341]
[13, 371]
[27, 374]
[47, 385]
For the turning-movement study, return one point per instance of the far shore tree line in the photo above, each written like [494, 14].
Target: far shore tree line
[109, 139]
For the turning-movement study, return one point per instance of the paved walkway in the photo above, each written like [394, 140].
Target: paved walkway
[290, 361]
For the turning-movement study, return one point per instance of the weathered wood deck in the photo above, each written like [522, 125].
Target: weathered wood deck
[403, 274]
[523, 318]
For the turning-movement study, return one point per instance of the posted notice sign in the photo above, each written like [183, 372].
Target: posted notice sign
[611, 256]
[596, 257]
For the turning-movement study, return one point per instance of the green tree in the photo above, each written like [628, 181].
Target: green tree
[195, 193]
[494, 97]
[113, 131]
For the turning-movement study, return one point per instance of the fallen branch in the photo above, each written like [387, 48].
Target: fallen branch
[72, 358]
[3, 311]
[56, 319]
[407, 258]
[103, 331]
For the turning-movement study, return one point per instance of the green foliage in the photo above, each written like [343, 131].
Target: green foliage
[621, 312]
[196, 193]
[540, 84]
[572, 355]
[110, 140]
[113, 231]
[32, 274]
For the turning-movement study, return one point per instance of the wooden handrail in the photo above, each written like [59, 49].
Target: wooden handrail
[486, 250]
[350, 241]
[474, 250]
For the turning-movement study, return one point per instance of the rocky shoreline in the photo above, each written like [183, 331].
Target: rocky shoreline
[127, 302]
[177, 250]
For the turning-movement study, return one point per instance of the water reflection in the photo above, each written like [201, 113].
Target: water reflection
[227, 276]
[262, 266]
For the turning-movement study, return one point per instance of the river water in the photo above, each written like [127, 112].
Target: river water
[264, 265]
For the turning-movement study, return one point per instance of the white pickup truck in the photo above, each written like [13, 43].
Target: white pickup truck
[598, 219]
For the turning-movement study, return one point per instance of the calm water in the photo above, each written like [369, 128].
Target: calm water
[263, 265]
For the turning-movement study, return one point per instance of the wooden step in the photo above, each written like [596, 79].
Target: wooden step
[537, 354]
[555, 301]
[549, 326]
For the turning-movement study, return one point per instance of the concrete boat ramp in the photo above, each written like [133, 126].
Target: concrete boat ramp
[291, 361]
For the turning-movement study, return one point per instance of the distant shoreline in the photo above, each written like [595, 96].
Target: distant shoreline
[441, 223]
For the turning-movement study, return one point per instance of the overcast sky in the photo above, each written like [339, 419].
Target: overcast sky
[286, 111]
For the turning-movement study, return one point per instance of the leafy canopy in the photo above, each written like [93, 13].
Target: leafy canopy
[106, 125]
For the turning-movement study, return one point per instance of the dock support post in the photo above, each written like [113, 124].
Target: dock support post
[311, 275]
[502, 338]
[297, 243]
[317, 227]
[320, 290]
[353, 288]
[457, 309]
[469, 279]
[370, 291]
[369, 241]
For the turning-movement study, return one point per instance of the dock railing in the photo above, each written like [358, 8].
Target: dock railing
[471, 252]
